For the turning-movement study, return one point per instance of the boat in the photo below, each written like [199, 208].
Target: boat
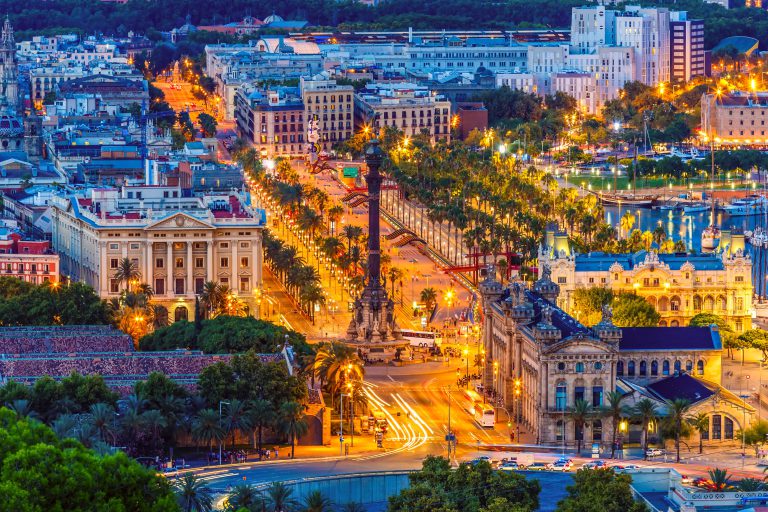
[710, 236]
[668, 207]
[627, 200]
[695, 207]
[753, 205]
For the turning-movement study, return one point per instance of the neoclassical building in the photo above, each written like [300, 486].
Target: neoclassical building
[541, 361]
[678, 285]
[176, 241]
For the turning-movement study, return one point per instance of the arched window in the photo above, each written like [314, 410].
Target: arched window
[561, 396]
[662, 323]
[631, 368]
[654, 368]
[700, 367]
[597, 430]
[674, 323]
[665, 367]
[579, 367]
[663, 304]
[696, 303]
[561, 366]
[674, 303]
[689, 366]
[678, 366]
[620, 368]
[721, 303]
[180, 313]
[559, 431]
[709, 303]
[727, 428]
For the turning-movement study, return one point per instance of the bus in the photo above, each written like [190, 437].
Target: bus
[483, 412]
[423, 339]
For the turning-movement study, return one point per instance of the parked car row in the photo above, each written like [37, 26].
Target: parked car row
[563, 464]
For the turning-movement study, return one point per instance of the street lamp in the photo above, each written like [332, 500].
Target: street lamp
[341, 425]
[221, 402]
[518, 386]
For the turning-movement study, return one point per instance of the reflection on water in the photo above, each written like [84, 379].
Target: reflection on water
[683, 226]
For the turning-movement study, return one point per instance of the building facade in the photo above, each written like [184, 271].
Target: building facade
[178, 243]
[29, 260]
[678, 286]
[540, 362]
[271, 120]
[687, 58]
[736, 118]
[334, 108]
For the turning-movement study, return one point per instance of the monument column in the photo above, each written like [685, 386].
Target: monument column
[374, 156]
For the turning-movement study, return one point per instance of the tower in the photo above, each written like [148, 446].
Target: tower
[9, 71]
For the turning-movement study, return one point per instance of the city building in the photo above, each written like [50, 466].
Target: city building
[272, 120]
[9, 67]
[112, 90]
[411, 109]
[177, 241]
[679, 286]
[539, 361]
[32, 261]
[646, 30]
[470, 116]
[687, 58]
[735, 118]
[332, 106]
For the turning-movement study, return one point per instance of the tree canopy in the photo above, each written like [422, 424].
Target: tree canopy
[600, 490]
[23, 303]
[41, 472]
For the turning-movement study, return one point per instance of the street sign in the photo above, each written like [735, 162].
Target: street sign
[341, 439]
[595, 450]
[350, 172]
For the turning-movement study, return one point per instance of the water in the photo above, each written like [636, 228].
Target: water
[688, 227]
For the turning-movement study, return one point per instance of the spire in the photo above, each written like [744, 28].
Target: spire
[7, 37]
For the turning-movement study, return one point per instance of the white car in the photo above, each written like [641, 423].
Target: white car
[654, 452]
[560, 466]
[594, 464]
[509, 465]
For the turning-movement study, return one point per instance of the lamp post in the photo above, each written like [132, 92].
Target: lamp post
[351, 412]
[221, 402]
[466, 358]
[341, 424]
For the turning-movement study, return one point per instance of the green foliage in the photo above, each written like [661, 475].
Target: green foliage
[23, 303]
[588, 303]
[41, 472]
[600, 490]
[756, 435]
[225, 335]
[630, 310]
[208, 124]
[470, 488]
[247, 378]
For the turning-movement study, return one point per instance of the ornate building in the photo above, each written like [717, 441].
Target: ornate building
[9, 70]
[678, 285]
[540, 361]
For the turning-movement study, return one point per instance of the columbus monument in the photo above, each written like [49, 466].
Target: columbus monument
[373, 321]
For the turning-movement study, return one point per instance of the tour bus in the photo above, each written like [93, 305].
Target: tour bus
[483, 412]
[423, 339]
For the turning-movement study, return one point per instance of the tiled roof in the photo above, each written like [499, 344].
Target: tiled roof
[600, 261]
[681, 386]
[669, 338]
[567, 324]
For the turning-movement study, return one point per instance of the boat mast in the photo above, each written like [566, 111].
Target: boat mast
[634, 172]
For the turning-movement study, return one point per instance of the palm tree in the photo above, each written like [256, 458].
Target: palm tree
[262, 415]
[700, 423]
[580, 414]
[720, 479]
[280, 499]
[615, 410]
[429, 298]
[336, 363]
[244, 496]
[310, 295]
[23, 409]
[206, 427]
[145, 290]
[192, 494]
[292, 423]
[750, 485]
[238, 418]
[212, 298]
[678, 410]
[154, 422]
[352, 234]
[627, 222]
[334, 216]
[645, 412]
[394, 274]
[503, 267]
[127, 270]
[316, 501]
[103, 420]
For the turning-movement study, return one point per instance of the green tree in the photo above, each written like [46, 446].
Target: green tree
[280, 498]
[676, 421]
[127, 271]
[292, 422]
[316, 501]
[615, 409]
[630, 310]
[429, 297]
[588, 303]
[580, 414]
[193, 494]
[601, 490]
[208, 124]
[756, 435]
[700, 423]
[245, 497]
[645, 412]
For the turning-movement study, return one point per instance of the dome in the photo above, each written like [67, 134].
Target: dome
[272, 19]
[10, 126]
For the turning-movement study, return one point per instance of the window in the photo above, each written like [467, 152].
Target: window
[643, 369]
[559, 431]
[598, 366]
[728, 430]
[689, 366]
[654, 368]
[620, 368]
[179, 262]
[579, 367]
[113, 263]
[665, 368]
[561, 366]
[244, 262]
[561, 280]
[717, 426]
[159, 262]
[631, 369]
[199, 283]
[224, 263]
[597, 396]
[245, 284]
[578, 393]
[159, 287]
[199, 262]
[179, 286]
[678, 366]
[597, 430]
[700, 367]
[561, 394]
[113, 247]
[114, 286]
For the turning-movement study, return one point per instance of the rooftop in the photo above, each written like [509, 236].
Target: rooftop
[669, 338]
[600, 261]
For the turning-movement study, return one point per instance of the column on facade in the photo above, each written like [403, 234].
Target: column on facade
[170, 285]
[103, 269]
[257, 262]
[147, 270]
[209, 262]
[190, 288]
[235, 283]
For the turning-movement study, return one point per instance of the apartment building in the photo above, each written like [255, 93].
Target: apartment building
[178, 243]
[687, 58]
[273, 120]
[334, 106]
[736, 118]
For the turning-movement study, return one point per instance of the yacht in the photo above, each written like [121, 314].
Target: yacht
[710, 238]
[695, 207]
[746, 206]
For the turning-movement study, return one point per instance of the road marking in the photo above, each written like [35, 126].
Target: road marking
[390, 378]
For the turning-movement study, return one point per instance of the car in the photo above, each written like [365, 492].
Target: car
[624, 467]
[478, 460]
[510, 465]
[536, 466]
[595, 464]
[654, 452]
[560, 466]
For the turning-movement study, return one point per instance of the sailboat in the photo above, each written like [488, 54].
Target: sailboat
[710, 237]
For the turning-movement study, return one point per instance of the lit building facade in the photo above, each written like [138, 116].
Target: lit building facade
[678, 286]
[334, 107]
[177, 243]
[271, 120]
[687, 58]
[29, 260]
[737, 118]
